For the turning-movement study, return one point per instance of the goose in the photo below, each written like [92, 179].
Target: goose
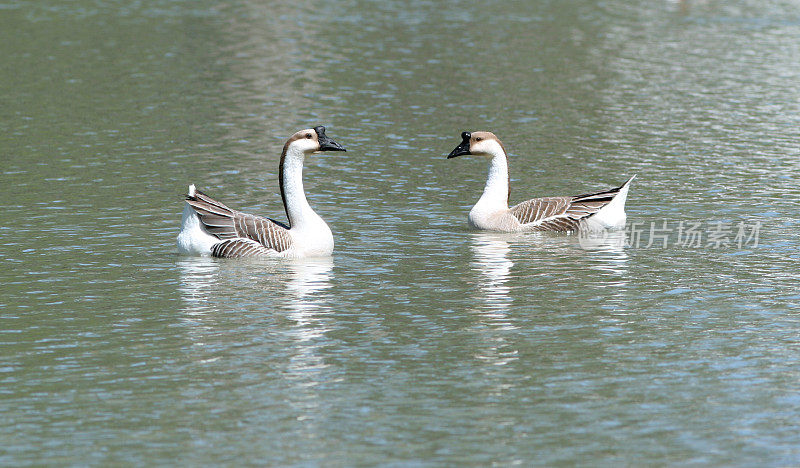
[210, 228]
[589, 212]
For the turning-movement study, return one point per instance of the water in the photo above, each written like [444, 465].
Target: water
[420, 342]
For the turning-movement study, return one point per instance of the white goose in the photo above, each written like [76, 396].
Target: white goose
[211, 228]
[592, 211]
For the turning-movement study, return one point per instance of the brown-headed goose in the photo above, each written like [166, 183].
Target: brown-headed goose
[592, 211]
[211, 228]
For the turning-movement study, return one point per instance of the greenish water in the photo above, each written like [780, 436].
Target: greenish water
[419, 342]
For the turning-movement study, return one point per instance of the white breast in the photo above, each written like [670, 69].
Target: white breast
[311, 239]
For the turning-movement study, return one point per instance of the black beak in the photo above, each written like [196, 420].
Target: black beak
[463, 148]
[325, 143]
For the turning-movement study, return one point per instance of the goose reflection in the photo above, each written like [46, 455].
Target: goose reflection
[308, 308]
[608, 249]
[278, 309]
[209, 287]
[198, 276]
[307, 277]
[606, 241]
[606, 254]
[294, 282]
[490, 260]
[198, 285]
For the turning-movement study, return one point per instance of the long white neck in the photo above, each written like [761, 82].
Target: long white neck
[297, 208]
[495, 193]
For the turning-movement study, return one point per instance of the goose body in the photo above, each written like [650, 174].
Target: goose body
[591, 211]
[210, 228]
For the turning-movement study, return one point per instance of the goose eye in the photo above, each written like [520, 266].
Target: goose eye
[308, 135]
[479, 139]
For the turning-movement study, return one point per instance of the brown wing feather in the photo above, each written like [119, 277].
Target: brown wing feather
[548, 214]
[239, 248]
[227, 224]
[563, 213]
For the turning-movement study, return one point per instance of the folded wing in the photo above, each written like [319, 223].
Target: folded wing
[239, 248]
[242, 234]
[561, 213]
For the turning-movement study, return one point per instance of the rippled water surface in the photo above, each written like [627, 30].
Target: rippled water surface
[419, 342]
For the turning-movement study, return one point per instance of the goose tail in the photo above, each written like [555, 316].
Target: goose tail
[612, 216]
[193, 239]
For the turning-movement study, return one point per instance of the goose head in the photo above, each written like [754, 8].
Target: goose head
[478, 143]
[313, 140]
